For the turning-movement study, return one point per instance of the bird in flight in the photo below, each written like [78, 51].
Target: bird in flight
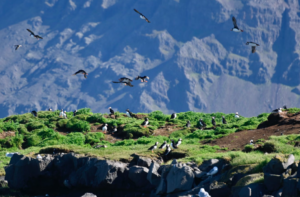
[125, 83]
[143, 79]
[142, 16]
[17, 46]
[235, 28]
[253, 46]
[33, 35]
[81, 71]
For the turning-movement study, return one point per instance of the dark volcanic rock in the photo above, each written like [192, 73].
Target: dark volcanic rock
[273, 182]
[278, 164]
[138, 175]
[180, 178]
[290, 187]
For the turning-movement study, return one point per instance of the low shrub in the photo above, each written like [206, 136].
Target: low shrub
[78, 125]
[92, 138]
[248, 148]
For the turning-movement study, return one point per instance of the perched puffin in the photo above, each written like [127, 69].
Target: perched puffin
[224, 120]
[143, 79]
[188, 124]
[168, 150]
[112, 112]
[202, 123]
[115, 130]
[235, 28]
[75, 112]
[279, 110]
[125, 83]
[251, 142]
[178, 142]
[173, 144]
[145, 123]
[34, 113]
[101, 146]
[81, 71]
[163, 145]
[33, 35]
[142, 16]
[129, 113]
[284, 107]
[253, 45]
[213, 122]
[152, 148]
[17, 46]
[49, 109]
[236, 115]
[104, 128]
[173, 116]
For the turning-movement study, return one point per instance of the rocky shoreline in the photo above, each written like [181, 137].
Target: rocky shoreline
[69, 175]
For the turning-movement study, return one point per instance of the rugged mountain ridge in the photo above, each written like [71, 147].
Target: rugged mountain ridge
[193, 59]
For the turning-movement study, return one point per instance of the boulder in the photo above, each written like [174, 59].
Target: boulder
[208, 164]
[233, 175]
[89, 195]
[138, 175]
[153, 177]
[278, 193]
[217, 189]
[162, 187]
[279, 164]
[144, 162]
[252, 190]
[273, 182]
[290, 187]
[180, 178]
[249, 179]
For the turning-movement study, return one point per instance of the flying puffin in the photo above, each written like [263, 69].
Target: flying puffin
[17, 46]
[125, 83]
[224, 120]
[145, 123]
[143, 79]
[163, 145]
[81, 71]
[152, 148]
[202, 123]
[125, 79]
[111, 111]
[173, 144]
[188, 124]
[213, 122]
[173, 116]
[253, 45]
[235, 28]
[142, 16]
[34, 113]
[33, 35]
[168, 150]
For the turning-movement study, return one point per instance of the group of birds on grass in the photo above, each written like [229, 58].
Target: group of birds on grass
[174, 145]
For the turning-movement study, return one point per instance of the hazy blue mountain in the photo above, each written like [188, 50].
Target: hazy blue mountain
[192, 58]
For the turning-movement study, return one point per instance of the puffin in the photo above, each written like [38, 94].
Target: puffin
[236, 115]
[173, 116]
[49, 109]
[142, 16]
[152, 148]
[224, 120]
[213, 122]
[173, 144]
[178, 142]
[253, 45]
[101, 146]
[129, 113]
[125, 83]
[235, 28]
[81, 71]
[125, 79]
[163, 145]
[145, 123]
[17, 46]
[168, 150]
[75, 112]
[202, 123]
[284, 107]
[104, 128]
[143, 79]
[251, 142]
[33, 35]
[188, 124]
[112, 112]
[279, 110]
[115, 130]
[34, 113]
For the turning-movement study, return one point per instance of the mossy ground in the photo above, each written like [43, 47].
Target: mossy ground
[40, 134]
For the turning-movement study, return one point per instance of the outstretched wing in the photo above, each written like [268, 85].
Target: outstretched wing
[85, 76]
[146, 19]
[80, 71]
[138, 12]
[253, 49]
[117, 82]
[16, 47]
[129, 84]
[137, 78]
[39, 37]
[30, 31]
[234, 22]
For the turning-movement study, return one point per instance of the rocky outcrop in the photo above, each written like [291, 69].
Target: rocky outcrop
[113, 178]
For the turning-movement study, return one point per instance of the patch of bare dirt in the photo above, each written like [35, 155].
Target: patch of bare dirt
[5, 134]
[276, 125]
[166, 130]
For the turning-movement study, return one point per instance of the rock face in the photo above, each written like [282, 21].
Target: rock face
[197, 53]
[112, 178]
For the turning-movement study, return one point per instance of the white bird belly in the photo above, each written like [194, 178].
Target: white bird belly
[236, 30]
[252, 44]
[142, 17]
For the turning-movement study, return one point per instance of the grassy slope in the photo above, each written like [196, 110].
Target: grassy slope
[34, 134]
